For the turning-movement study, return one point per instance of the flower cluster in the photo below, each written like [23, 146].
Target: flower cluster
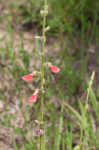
[29, 77]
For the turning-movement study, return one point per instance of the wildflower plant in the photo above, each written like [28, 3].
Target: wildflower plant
[41, 74]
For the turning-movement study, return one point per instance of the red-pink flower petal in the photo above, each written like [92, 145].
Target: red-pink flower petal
[28, 77]
[33, 98]
[54, 69]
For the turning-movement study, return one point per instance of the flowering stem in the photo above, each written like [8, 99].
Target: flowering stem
[42, 70]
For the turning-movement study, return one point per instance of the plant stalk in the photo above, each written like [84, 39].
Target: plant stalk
[43, 73]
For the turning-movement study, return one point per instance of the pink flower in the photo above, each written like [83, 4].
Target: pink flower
[54, 69]
[28, 77]
[33, 98]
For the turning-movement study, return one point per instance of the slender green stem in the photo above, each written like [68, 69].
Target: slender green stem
[43, 71]
[42, 64]
[81, 136]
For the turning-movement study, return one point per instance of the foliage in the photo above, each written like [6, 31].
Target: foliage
[69, 121]
[64, 15]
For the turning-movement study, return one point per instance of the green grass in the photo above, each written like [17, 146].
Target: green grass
[71, 99]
